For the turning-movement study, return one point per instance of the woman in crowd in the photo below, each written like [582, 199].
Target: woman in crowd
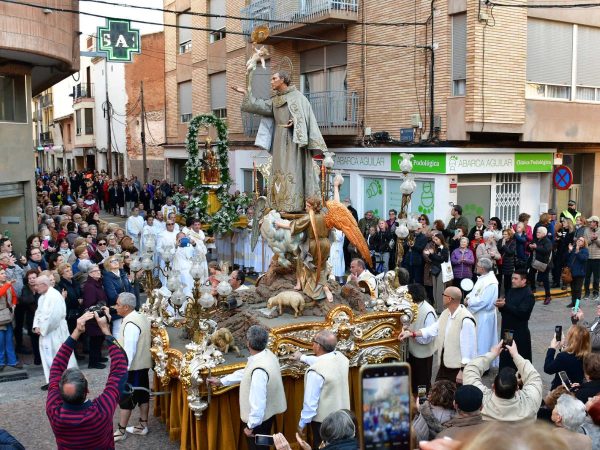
[71, 292]
[8, 300]
[436, 256]
[508, 250]
[580, 226]
[462, 260]
[424, 221]
[454, 240]
[563, 238]
[383, 242]
[338, 431]
[495, 226]
[55, 260]
[541, 249]
[93, 219]
[102, 251]
[435, 411]
[543, 222]
[521, 246]
[569, 416]
[94, 295]
[591, 375]
[477, 239]
[591, 425]
[489, 248]
[115, 281]
[413, 254]
[479, 226]
[112, 244]
[577, 262]
[575, 347]
[64, 249]
[29, 299]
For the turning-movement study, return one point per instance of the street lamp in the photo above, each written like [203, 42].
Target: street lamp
[406, 225]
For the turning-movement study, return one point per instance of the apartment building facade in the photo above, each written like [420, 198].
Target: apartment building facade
[512, 93]
[31, 61]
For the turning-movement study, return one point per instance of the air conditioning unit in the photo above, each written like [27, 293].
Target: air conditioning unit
[415, 121]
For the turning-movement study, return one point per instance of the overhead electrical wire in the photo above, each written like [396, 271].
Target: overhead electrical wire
[145, 22]
[249, 19]
[544, 6]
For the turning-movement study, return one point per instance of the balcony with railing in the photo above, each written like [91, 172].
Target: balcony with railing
[83, 91]
[336, 113]
[46, 138]
[297, 14]
[46, 101]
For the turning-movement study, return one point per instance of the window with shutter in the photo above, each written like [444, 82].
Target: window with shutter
[185, 101]
[459, 54]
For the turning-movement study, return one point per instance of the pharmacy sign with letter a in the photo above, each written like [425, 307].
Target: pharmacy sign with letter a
[118, 41]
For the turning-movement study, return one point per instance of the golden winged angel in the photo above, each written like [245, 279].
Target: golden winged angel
[311, 268]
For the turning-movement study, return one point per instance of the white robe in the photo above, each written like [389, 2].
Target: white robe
[134, 227]
[336, 253]
[481, 304]
[223, 243]
[164, 239]
[183, 263]
[50, 319]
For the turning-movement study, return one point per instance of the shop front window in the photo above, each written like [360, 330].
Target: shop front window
[381, 195]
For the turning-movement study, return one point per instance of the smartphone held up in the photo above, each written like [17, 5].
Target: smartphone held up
[386, 412]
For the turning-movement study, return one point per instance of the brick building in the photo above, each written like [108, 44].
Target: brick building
[149, 67]
[513, 91]
[31, 60]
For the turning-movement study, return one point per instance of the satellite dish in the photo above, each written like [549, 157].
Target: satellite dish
[466, 284]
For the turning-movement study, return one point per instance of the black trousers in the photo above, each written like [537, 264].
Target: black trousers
[592, 268]
[263, 428]
[20, 313]
[95, 349]
[420, 372]
[576, 286]
[315, 428]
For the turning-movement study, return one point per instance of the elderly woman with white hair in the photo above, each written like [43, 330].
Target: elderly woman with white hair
[541, 261]
[338, 432]
[488, 248]
[50, 323]
[481, 303]
[568, 415]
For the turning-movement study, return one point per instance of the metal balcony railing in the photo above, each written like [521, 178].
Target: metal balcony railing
[46, 100]
[336, 113]
[292, 10]
[46, 138]
[85, 90]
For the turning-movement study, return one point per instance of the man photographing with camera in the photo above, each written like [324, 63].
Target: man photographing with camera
[76, 421]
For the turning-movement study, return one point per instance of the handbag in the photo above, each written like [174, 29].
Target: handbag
[538, 265]
[447, 272]
[6, 315]
[566, 276]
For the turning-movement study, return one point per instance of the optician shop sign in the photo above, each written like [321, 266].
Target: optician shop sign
[458, 163]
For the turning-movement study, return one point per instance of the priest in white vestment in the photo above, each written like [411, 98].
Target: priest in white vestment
[134, 227]
[50, 323]
[481, 303]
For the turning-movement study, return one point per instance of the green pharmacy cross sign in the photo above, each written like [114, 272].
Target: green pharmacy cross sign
[118, 40]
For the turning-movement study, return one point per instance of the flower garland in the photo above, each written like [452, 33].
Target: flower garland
[221, 222]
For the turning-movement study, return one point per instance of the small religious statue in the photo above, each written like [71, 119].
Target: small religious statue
[210, 172]
[259, 55]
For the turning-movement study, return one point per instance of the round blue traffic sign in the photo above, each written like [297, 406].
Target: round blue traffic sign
[562, 178]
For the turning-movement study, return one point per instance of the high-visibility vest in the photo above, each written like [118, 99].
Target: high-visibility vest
[568, 215]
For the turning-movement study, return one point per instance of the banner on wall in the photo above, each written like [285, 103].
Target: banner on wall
[459, 163]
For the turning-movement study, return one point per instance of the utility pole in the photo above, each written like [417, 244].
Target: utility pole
[145, 174]
[108, 126]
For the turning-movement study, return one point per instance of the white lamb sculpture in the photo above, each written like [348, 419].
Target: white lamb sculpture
[280, 240]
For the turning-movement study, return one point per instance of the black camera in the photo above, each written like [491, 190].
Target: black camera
[96, 308]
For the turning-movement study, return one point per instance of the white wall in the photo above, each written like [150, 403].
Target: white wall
[118, 100]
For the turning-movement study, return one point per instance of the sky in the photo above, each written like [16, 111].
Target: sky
[88, 25]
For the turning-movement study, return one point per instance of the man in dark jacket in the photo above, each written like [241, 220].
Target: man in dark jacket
[515, 310]
[413, 255]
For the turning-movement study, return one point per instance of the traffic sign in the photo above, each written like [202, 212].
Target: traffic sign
[118, 41]
[562, 178]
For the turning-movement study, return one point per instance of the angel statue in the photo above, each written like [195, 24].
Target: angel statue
[294, 176]
[311, 265]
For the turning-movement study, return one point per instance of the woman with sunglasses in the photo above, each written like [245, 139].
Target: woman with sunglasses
[115, 281]
[94, 295]
[102, 251]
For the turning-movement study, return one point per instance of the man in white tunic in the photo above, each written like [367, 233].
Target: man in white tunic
[481, 303]
[134, 226]
[49, 322]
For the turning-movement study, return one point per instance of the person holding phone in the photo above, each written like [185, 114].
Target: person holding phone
[506, 402]
[515, 310]
[570, 359]
[593, 327]
[261, 388]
